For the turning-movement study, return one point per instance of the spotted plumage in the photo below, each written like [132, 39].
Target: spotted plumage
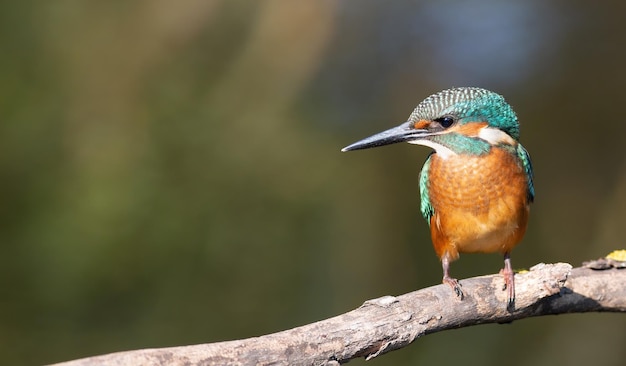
[477, 185]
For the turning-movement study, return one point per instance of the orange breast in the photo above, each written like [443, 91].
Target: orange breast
[480, 203]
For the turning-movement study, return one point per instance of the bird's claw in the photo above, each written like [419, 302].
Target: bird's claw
[456, 286]
[509, 284]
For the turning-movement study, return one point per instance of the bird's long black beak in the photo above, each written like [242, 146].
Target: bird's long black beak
[403, 133]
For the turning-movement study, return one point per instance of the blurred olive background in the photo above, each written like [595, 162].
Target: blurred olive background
[171, 174]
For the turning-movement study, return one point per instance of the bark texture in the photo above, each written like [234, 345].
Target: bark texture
[388, 323]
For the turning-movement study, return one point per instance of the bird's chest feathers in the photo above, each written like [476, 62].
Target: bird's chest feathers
[478, 200]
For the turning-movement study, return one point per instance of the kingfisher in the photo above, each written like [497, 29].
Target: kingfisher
[476, 187]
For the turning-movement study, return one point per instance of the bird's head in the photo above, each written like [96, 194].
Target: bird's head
[455, 121]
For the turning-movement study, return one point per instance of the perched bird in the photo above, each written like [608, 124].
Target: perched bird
[477, 185]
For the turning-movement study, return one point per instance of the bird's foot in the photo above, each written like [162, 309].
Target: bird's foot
[456, 286]
[509, 284]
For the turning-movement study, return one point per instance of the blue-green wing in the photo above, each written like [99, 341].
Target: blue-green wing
[528, 168]
[426, 207]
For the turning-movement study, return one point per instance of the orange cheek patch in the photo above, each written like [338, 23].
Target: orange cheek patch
[469, 129]
[421, 124]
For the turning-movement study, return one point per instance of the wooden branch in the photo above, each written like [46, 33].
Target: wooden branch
[388, 323]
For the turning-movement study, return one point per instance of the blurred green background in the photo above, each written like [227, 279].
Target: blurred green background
[171, 174]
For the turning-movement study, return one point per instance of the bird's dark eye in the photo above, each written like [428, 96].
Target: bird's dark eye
[445, 121]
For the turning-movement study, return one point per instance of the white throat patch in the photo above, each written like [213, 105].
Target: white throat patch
[442, 151]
